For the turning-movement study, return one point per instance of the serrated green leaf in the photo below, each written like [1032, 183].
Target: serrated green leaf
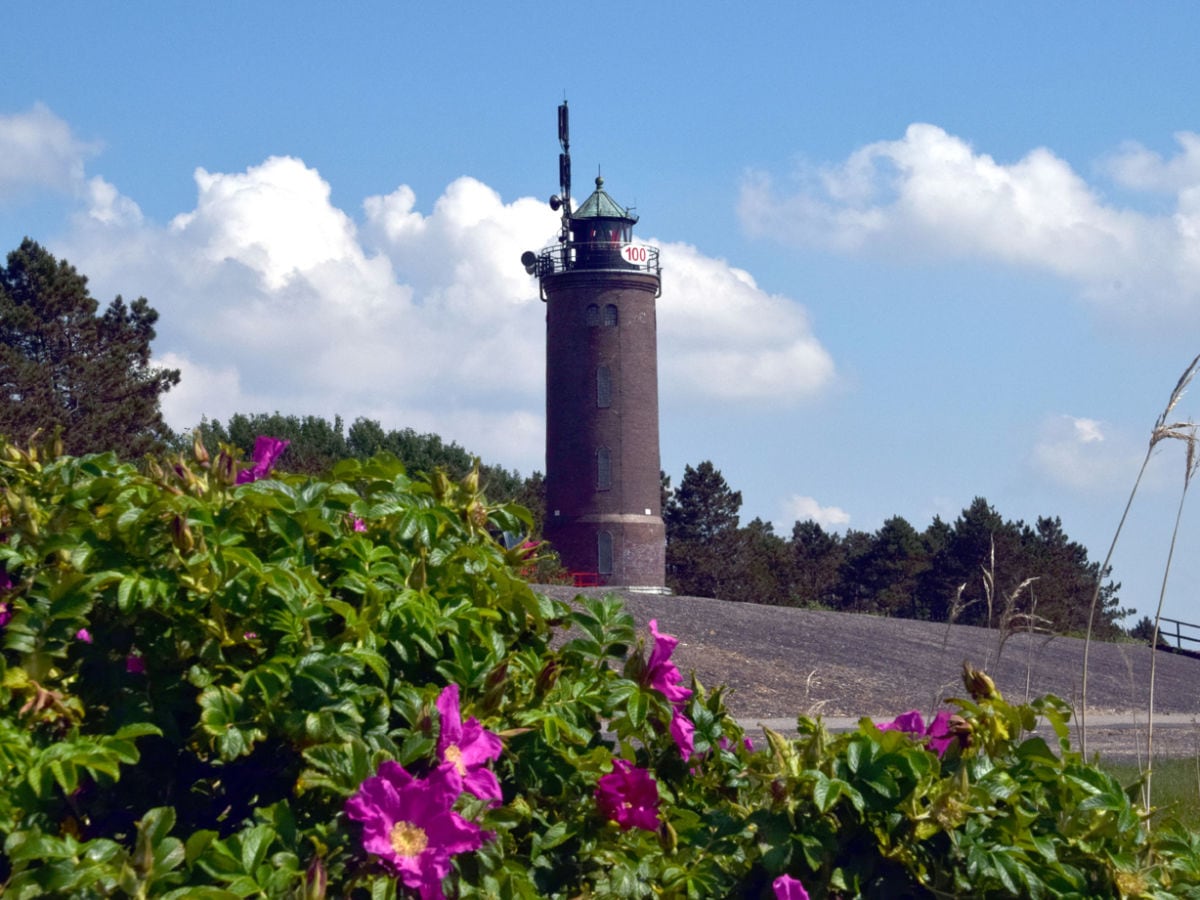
[636, 708]
[255, 842]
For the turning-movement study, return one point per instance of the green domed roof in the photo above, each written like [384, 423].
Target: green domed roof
[602, 206]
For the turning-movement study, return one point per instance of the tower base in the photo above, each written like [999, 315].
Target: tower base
[620, 550]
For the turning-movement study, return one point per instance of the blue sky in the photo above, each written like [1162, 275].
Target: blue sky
[912, 253]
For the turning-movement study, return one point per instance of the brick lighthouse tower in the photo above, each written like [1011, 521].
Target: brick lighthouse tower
[603, 482]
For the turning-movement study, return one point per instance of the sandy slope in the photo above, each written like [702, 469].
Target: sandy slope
[781, 662]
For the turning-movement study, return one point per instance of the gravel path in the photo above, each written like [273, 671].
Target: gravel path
[779, 663]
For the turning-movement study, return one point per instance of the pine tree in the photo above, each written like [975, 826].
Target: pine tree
[702, 540]
[62, 365]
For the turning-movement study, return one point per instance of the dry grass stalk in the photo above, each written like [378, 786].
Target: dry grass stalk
[1190, 438]
[1160, 432]
[812, 709]
[956, 606]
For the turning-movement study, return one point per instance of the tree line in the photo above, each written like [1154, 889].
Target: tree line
[66, 365]
[980, 569]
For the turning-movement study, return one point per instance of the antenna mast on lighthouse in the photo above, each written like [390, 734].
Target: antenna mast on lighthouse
[564, 171]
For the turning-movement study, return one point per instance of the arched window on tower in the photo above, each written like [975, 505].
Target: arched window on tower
[603, 387]
[603, 469]
[604, 553]
[610, 316]
[593, 316]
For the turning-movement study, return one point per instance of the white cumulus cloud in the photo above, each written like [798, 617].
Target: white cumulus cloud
[931, 195]
[39, 150]
[1135, 166]
[271, 298]
[721, 336]
[275, 219]
[798, 508]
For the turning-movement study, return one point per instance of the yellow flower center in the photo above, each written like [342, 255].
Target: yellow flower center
[454, 755]
[408, 840]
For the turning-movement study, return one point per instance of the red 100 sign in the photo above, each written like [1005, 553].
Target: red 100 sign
[635, 254]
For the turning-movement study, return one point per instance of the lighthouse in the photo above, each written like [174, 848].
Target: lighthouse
[603, 481]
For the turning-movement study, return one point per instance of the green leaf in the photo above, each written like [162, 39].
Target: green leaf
[636, 708]
[197, 843]
[157, 823]
[552, 837]
[201, 892]
[255, 842]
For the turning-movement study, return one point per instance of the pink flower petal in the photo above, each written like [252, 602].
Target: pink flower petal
[628, 796]
[789, 888]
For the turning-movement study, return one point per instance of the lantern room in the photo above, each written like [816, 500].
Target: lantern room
[600, 229]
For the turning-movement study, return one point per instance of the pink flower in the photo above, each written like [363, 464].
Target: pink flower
[683, 731]
[410, 824]
[789, 888]
[6, 613]
[467, 749]
[266, 451]
[912, 723]
[628, 796]
[83, 635]
[360, 525]
[662, 674]
[939, 734]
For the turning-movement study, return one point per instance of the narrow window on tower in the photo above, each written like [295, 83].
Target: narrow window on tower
[610, 316]
[603, 387]
[604, 553]
[603, 469]
[593, 316]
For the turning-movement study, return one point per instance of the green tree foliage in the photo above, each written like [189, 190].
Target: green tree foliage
[817, 559]
[982, 569]
[703, 506]
[1064, 574]
[65, 365]
[318, 444]
[701, 517]
[978, 562]
[1143, 631]
[762, 572]
[315, 444]
[885, 574]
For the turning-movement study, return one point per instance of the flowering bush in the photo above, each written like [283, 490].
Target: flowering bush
[299, 687]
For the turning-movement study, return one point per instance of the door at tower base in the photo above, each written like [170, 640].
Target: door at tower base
[622, 550]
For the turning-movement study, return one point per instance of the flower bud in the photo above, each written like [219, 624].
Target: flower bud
[493, 692]
[960, 729]
[29, 507]
[548, 676]
[471, 481]
[668, 839]
[476, 514]
[978, 684]
[316, 879]
[181, 535]
[198, 449]
[226, 467]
